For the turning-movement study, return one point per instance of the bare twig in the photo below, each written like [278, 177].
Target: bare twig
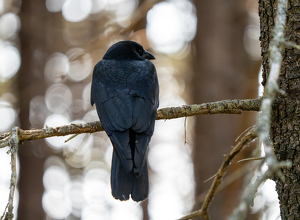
[47, 132]
[13, 179]
[291, 44]
[221, 107]
[70, 138]
[5, 141]
[251, 159]
[249, 194]
[226, 181]
[249, 136]
[4, 212]
[210, 178]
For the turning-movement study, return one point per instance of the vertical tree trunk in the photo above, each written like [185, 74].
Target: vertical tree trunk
[30, 84]
[285, 118]
[37, 42]
[222, 70]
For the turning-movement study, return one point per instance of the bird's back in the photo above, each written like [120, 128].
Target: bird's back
[126, 96]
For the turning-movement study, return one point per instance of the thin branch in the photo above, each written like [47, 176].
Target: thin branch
[13, 179]
[4, 212]
[221, 107]
[249, 194]
[47, 132]
[249, 137]
[291, 44]
[251, 159]
[226, 181]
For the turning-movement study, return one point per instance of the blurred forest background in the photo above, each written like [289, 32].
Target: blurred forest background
[205, 51]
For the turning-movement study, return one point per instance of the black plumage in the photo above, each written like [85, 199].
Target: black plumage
[125, 91]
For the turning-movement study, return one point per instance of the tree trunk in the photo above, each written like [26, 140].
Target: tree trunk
[285, 120]
[222, 70]
[37, 42]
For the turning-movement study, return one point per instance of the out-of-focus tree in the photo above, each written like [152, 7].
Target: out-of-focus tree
[37, 37]
[222, 70]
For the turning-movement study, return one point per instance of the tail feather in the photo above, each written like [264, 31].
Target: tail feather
[139, 157]
[121, 182]
[125, 183]
[120, 141]
[141, 185]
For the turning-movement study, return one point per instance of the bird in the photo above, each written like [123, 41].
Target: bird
[125, 91]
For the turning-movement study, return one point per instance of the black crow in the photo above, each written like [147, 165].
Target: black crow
[125, 91]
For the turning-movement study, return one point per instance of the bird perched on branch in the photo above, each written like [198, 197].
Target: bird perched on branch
[125, 91]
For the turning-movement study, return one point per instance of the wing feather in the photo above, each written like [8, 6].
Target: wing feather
[126, 97]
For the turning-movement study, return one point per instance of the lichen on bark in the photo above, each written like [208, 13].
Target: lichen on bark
[285, 116]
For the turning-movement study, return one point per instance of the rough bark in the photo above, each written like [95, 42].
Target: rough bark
[285, 119]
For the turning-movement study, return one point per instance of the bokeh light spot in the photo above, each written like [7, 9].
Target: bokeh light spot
[54, 5]
[55, 178]
[172, 208]
[10, 61]
[124, 8]
[56, 204]
[9, 25]
[81, 64]
[7, 116]
[98, 5]
[37, 111]
[170, 25]
[251, 41]
[94, 212]
[57, 67]
[54, 120]
[76, 10]
[96, 186]
[58, 98]
[132, 212]
[1, 6]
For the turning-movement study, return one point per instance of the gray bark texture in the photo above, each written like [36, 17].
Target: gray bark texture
[285, 116]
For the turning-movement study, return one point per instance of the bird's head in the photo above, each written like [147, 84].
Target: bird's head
[127, 50]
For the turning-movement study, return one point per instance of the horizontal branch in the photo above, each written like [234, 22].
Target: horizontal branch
[220, 107]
